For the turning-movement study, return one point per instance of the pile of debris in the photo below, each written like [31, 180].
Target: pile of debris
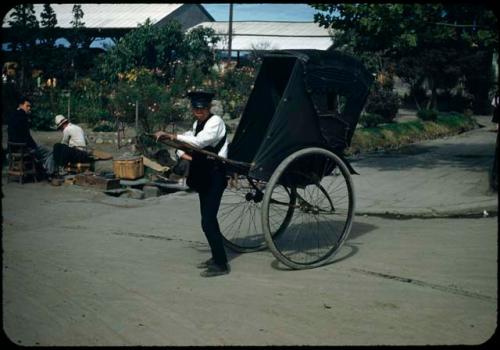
[134, 176]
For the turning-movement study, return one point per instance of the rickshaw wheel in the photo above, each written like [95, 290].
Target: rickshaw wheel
[323, 208]
[239, 215]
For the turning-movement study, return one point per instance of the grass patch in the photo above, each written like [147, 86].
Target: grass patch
[395, 135]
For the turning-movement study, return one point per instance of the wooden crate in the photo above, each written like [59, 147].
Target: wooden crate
[99, 182]
[129, 169]
[77, 168]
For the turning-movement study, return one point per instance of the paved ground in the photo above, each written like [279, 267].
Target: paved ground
[83, 268]
[443, 177]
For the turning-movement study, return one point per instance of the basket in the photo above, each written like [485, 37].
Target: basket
[129, 169]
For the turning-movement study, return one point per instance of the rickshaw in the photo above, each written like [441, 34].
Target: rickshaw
[289, 185]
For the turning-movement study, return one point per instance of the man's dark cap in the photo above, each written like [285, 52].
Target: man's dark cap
[22, 99]
[200, 99]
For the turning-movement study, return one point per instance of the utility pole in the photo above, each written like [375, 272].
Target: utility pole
[230, 34]
[69, 104]
[137, 115]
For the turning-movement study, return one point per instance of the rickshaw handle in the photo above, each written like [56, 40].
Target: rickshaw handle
[187, 147]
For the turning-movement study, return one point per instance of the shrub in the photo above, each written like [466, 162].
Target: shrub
[104, 126]
[46, 105]
[234, 89]
[42, 119]
[157, 107]
[86, 102]
[398, 134]
[427, 114]
[370, 120]
[455, 100]
[383, 102]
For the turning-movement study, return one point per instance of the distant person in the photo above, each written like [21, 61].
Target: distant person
[73, 146]
[495, 102]
[18, 131]
[495, 119]
[206, 176]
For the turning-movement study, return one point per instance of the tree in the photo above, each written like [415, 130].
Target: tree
[148, 47]
[49, 24]
[49, 58]
[161, 49]
[24, 26]
[76, 38]
[431, 39]
[199, 47]
[155, 65]
[79, 41]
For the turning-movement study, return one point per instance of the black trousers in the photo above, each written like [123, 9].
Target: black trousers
[63, 154]
[209, 206]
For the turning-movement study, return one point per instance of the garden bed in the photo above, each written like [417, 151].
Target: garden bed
[395, 135]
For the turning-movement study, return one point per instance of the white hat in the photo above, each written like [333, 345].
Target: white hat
[60, 120]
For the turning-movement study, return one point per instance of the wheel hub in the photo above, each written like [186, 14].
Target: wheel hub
[254, 196]
[309, 208]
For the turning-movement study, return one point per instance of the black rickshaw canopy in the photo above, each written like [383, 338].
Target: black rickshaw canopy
[306, 98]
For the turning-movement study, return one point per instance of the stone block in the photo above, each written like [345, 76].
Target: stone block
[151, 191]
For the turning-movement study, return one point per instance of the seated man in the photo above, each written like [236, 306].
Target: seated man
[73, 146]
[18, 131]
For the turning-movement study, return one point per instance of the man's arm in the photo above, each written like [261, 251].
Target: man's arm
[66, 137]
[212, 133]
[24, 127]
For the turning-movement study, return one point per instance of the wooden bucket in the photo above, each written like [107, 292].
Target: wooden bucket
[129, 169]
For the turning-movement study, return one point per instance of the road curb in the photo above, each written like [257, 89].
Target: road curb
[487, 211]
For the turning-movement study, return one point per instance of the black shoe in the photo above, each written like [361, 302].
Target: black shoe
[205, 264]
[215, 270]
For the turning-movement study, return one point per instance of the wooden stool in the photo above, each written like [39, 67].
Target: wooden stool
[21, 162]
[77, 168]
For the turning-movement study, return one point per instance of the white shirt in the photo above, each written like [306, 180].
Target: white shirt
[213, 131]
[73, 136]
[494, 101]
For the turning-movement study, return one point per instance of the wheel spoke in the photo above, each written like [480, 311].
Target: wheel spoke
[240, 214]
[323, 208]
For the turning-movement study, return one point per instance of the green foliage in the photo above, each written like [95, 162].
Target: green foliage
[393, 136]
[164, 50]
[104, 126]
[157, 106]
[86, 105]
[42, 119]
[24, 28]
[457, 100]
[189, 76]
[154, 48]
[383, 101]
[48, 24]
[433, 42]
[156, 66]
[198, 47]
[457, 121]
[151, 67]
[46, 105]
[24, 25]
[86, 102]
[77, 21]
[234, 89]
[76, 37]
[427, 114]
[399, 27]
[370, 120]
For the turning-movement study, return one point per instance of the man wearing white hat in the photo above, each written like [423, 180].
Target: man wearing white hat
[73, 146]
